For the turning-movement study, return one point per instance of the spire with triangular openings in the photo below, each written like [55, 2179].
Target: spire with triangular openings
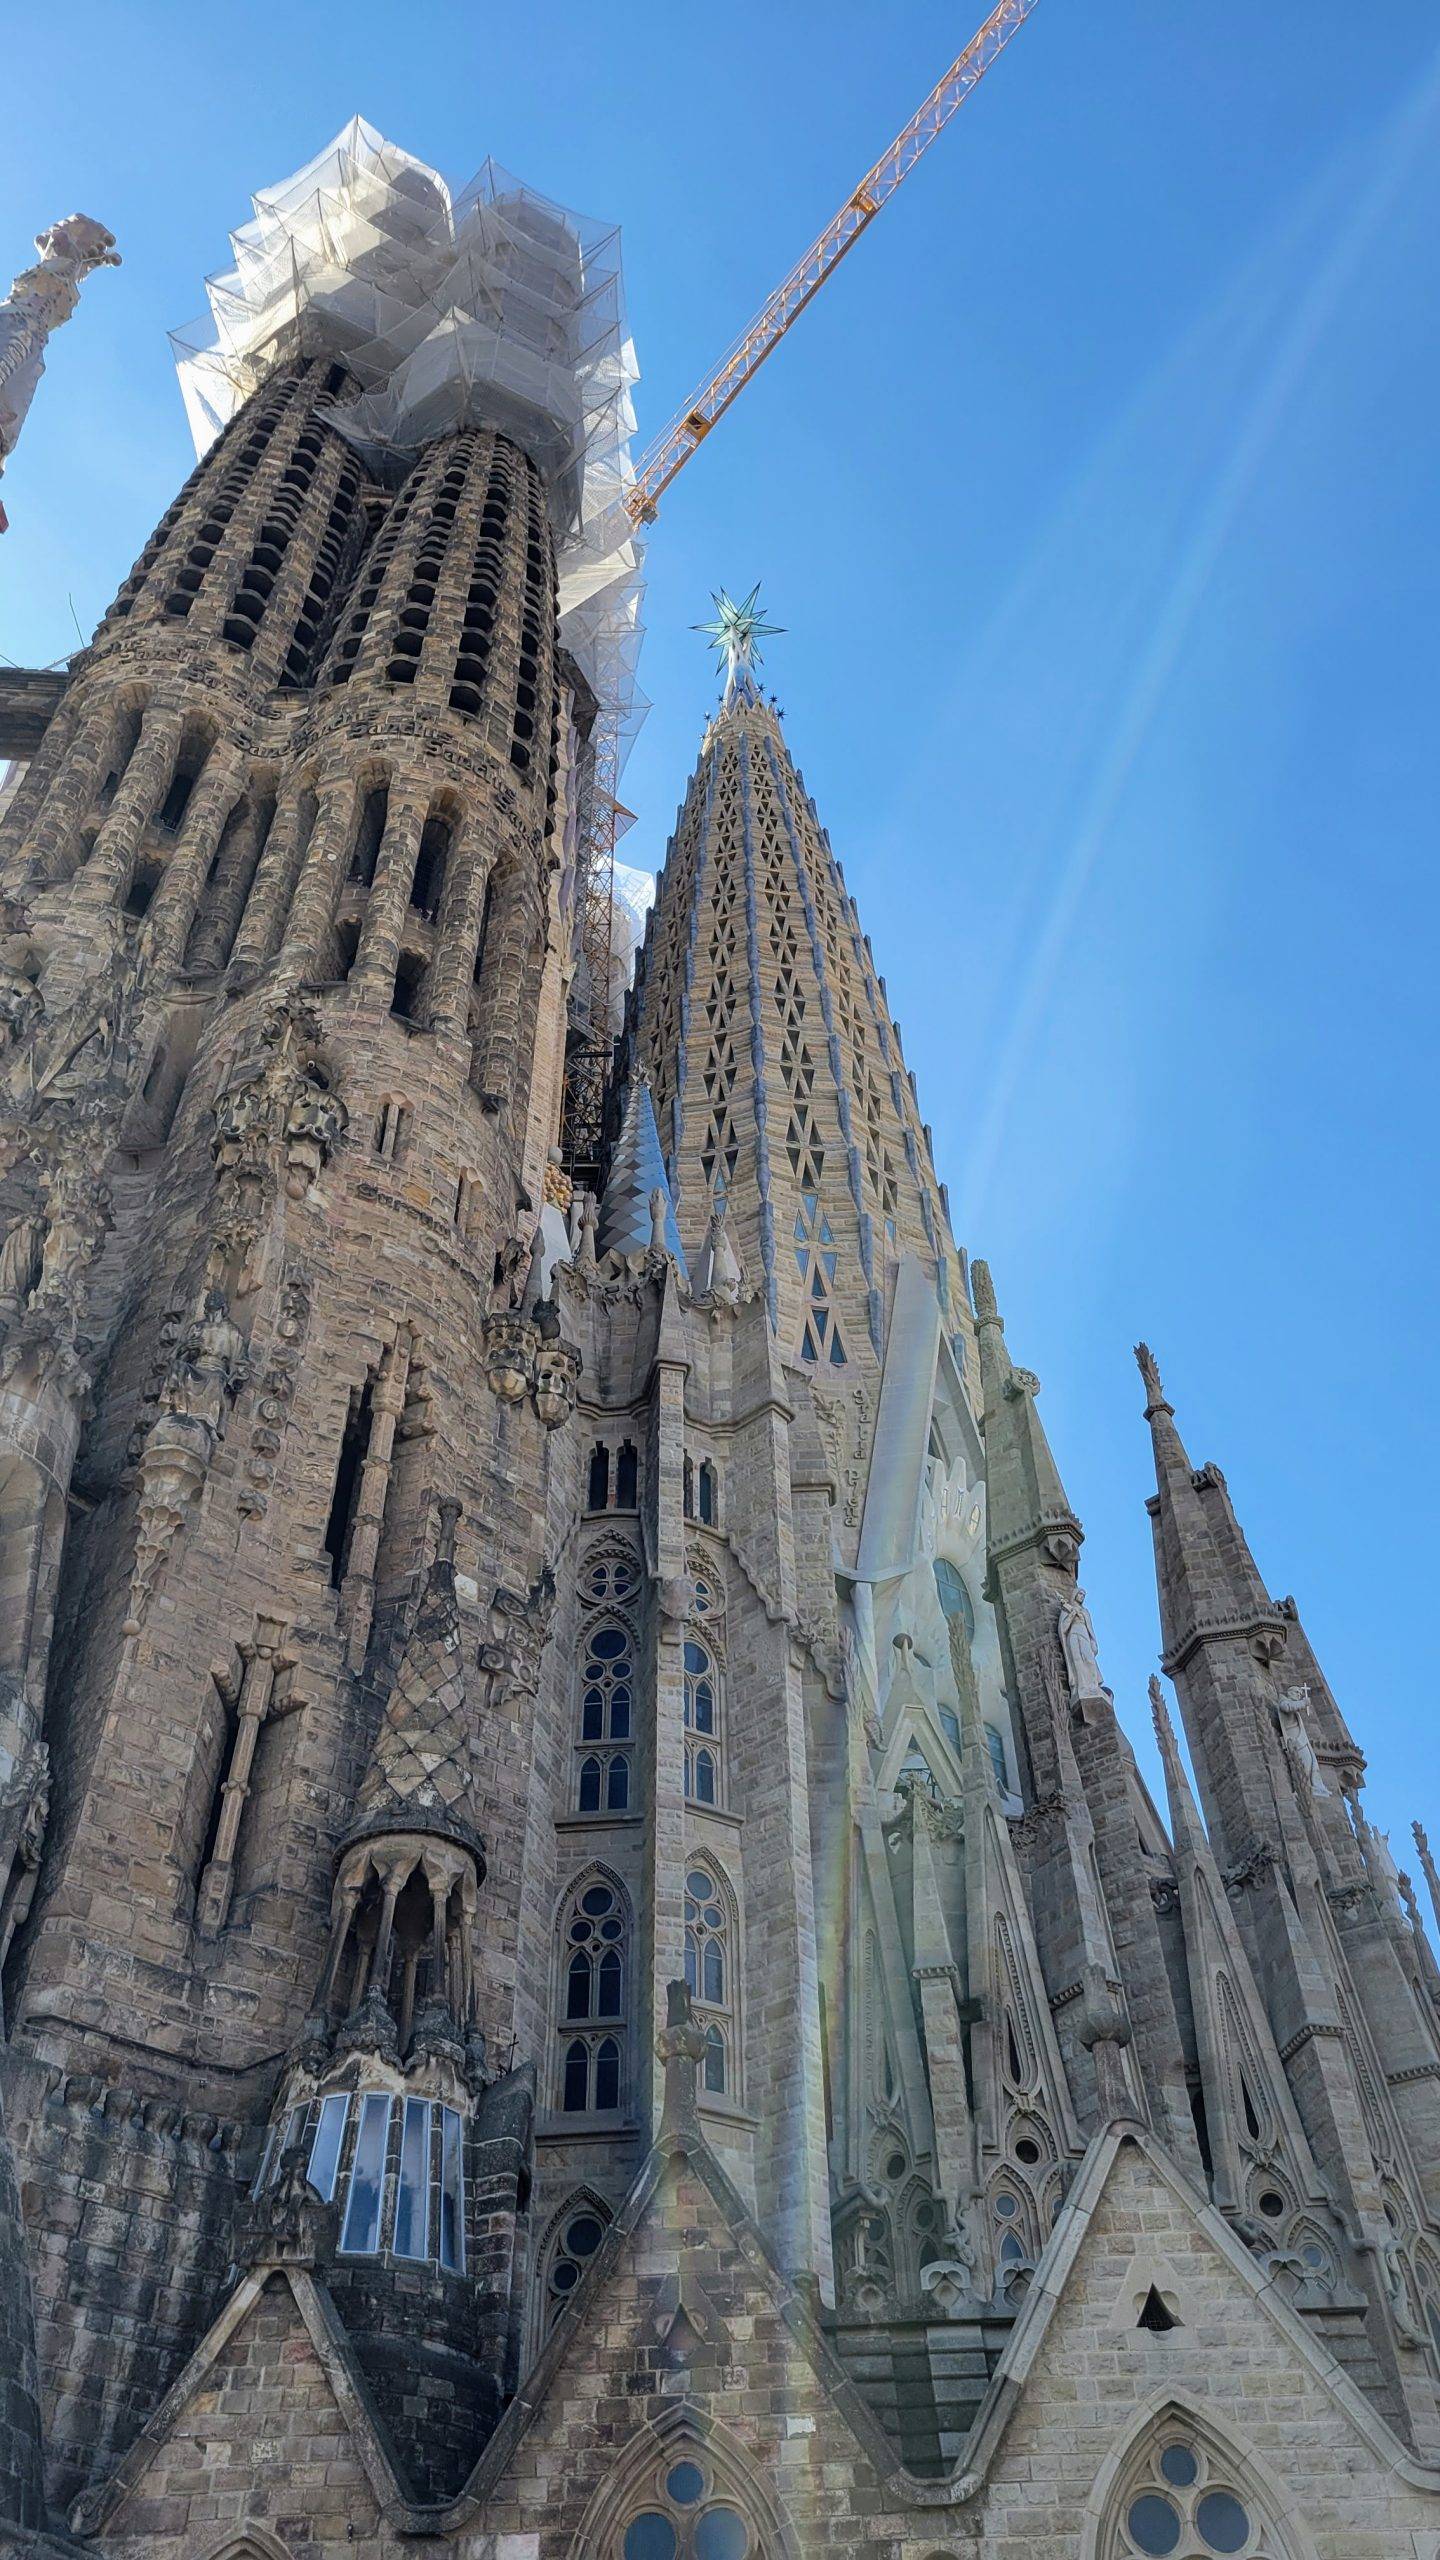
[780, 1090]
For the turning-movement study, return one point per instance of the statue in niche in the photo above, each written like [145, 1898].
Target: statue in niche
[209, 1366]
[30, 1791]
[20, 1256]
[1295, 1742]
[1077, 1643]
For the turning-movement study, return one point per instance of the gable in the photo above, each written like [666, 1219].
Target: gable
[685, 2342]
[1086, 2375]
[255, 2433]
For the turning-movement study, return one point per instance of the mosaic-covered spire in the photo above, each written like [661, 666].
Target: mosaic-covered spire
[637, 1173]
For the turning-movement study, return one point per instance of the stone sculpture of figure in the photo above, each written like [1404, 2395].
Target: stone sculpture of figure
[589, 1223]
[657, 1221]
[31, 1790]
[1077, 1643]
[512, 1263]
[1296, 1744]
[72, 1053]
[39, 301]
[209, 1366]
[20, 1257]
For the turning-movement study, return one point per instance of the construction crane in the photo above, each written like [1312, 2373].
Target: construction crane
[663, 460]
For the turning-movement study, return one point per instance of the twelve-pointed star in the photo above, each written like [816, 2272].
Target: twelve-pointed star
[738, 629]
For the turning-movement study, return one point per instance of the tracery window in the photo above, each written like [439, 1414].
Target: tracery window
[702, 1724]
[709, 1971]
[578, 2235]
[592, 2000]
[1182, 2501]
[687, 2514]
[607, 1696]
[816, 1261]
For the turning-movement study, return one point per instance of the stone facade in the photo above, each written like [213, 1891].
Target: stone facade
[588, 1972]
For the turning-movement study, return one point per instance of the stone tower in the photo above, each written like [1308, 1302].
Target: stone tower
[588, 1969]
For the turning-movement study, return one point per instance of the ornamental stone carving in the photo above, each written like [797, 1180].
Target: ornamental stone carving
[510, 1345]
[205, 1376]
[1077, 1643]
[557, 1372]
[39, 302]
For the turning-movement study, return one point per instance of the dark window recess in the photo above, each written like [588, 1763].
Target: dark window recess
[1154, 2316]
[368, 834]
[347, 945]
[627, 1476]
[707, 1494]
[430, 864]
[349, 1473]
[176, 801]
[598, 1493]
[1202, 2130]
[142, 889]
[409, 988]
[687, 1487]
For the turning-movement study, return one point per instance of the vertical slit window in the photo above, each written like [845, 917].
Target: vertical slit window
[452, 2192]
[325, 2149]
[360, 2233]
[412, 2195]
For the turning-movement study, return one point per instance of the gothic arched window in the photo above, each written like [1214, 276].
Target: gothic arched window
[687, 2513]
[1180, 2498]
[577, 2234]
[710, 1973]
[592, 1999]
[606, 1713]
[702, 1724]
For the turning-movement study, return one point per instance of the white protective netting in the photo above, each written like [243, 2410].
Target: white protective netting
[492, 307]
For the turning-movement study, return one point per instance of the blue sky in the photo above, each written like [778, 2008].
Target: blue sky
[1098, 497]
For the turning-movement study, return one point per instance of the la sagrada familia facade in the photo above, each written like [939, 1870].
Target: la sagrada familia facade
[588, 1970]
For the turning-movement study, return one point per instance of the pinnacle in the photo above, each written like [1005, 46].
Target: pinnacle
[1149, 1369]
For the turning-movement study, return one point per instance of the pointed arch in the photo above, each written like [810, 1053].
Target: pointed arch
[713, 1971]
[568, 2243]
[1197, 2473]
[635, 2483]
[251, 2542]
[593, 1934]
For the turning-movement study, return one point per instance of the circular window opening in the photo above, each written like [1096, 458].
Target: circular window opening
[895, 2165]
[651, 2537]
[1272, 2205]
[1027, 2152]
[1179, 2466]
[721, 2535]
[685, 2484]
[1152, 2524]
[1223, 2522]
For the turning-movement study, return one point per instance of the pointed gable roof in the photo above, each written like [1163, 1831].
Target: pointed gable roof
[421, 1773]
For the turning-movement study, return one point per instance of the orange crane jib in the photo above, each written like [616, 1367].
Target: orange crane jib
[671, 451]
[590, 1045]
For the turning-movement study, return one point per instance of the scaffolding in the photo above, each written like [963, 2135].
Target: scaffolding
[487, 307]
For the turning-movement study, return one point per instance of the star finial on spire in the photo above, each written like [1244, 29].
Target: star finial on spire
[737, 631]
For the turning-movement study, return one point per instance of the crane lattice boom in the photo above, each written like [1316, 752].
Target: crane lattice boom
[672, 450]
[590, 1051]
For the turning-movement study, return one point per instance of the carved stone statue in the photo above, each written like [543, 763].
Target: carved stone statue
[314, 1125]
[1077, 1643]
[1296, 1744]
[204, 1377]
[657, 1221]
[20, 1266]
[41, 300]
[209, 1366]
[31, 1790]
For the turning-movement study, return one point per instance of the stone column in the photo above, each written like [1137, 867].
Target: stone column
[389, 898]
[387, 1406]
[268, 902]
[232, 884]
[173, 910]
[313, 910]
[147, 778]
[212, 1903]
[472, 856]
